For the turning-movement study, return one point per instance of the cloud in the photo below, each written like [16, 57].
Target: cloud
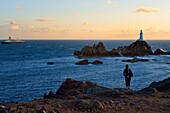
[18, 8]
[14, 25]
[41, 29]
[74, 13]
[154, 31]
[148, 10]
[110, 1]
[42, 19]
[85, 24]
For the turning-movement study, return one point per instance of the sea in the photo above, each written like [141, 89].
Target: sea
[25, 74]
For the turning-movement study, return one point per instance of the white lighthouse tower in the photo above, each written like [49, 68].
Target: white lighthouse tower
[141, 36]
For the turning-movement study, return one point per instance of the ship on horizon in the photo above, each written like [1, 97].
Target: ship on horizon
[12, 41]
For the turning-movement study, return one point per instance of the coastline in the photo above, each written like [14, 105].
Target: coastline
[87, 97]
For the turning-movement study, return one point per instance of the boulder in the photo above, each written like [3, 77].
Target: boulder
[97, 105]
[100, 49]
[135, 60]
[83, 62]
[161, 52]
[50, 63]
[97, 62]
[83, 104]
[87, 51]
[86, 62]
[115, 52]
[77, 53]
[138, 48]
[90, 51]
[70, 86]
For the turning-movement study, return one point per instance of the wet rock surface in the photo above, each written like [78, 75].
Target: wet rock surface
[161, 52]
[86, 62]
[97, 62]
[50, 63]
[135, 60]
[83, 62]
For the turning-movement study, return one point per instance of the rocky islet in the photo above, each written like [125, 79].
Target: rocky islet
[137, 48]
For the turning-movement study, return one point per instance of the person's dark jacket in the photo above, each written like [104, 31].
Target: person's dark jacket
[128, 73]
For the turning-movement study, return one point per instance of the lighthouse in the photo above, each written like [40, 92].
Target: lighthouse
[141, 36]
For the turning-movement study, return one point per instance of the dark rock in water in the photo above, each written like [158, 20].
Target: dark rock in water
[154, 60]
[77, 53]
[97, 62]
[143, 60]
[50, 63]
[161, 52]
[83, 62]
[138, 48]
[86, 62]
[89, 51]
[100, 49]
[136, 60]
[114, 52]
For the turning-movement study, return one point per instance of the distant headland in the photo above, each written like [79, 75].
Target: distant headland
[137, 48]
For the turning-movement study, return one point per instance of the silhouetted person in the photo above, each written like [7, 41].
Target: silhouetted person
[128, 74]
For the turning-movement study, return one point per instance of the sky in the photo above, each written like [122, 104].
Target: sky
[85, 19]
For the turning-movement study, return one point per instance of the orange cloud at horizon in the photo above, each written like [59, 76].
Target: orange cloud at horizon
[148, 10]
[18, 8]
[89, 34]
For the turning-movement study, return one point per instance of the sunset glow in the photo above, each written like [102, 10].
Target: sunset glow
[85, 19]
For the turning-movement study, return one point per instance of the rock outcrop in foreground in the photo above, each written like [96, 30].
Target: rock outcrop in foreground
[87, 97]
[137, 48]
[161, 86]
